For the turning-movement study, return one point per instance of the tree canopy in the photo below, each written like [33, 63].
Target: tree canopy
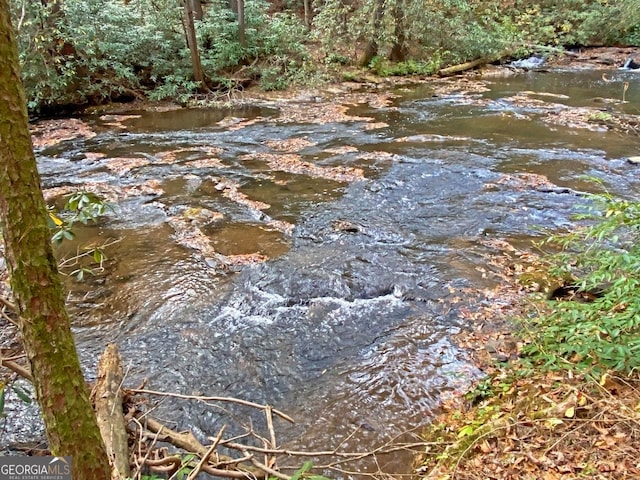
[92, 51]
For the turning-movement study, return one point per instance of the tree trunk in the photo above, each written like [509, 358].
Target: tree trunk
[196, 7]
[192, 42]
[308, 14]
[242, 37]
[398, 50]
[44, 323]
[371, 48]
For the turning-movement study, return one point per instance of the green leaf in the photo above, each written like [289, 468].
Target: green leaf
[299, 473]
[21, 393]
[98, 256]
[2, 400]
[466, 431]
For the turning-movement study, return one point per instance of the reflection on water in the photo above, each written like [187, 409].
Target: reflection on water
[343, 326]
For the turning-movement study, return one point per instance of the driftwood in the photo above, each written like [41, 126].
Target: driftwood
[107, 395]
[188, 442]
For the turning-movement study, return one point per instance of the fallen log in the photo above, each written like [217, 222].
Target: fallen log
[463, 67]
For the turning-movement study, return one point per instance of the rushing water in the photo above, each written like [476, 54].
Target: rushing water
[343, 327]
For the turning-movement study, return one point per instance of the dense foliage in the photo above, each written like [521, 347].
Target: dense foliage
[78, 52]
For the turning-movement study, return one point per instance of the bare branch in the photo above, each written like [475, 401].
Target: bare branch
[214, 399]
[205, 457]
[24, 372]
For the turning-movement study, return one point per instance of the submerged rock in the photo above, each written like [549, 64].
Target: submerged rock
[528, 63]
[631, 64]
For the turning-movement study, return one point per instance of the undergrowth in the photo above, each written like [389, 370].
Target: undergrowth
[601, 260]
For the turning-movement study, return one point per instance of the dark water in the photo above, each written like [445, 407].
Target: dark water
[343, 328]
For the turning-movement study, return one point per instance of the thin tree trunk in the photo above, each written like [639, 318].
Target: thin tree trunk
[192, 42]
[196, 7]
[242, 37]
[308, 14]
[44, 323]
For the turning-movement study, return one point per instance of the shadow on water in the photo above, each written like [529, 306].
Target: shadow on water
[345, 327]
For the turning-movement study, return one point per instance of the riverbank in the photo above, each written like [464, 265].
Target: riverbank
[602, 113]
[564, 400]
[530, 424]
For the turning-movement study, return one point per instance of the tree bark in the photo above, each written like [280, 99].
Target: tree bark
[192, 42]
[399, 49]
[44, 323]
[308, 14]
[242, 37]
[371, 48]
[196, 7]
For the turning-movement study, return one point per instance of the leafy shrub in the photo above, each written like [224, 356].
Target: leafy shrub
[603, 258]
[85, 208]
[576, 22]
[269, 38]
[386, 68]
[93, 50]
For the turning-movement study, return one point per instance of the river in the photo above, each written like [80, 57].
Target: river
[300, 253]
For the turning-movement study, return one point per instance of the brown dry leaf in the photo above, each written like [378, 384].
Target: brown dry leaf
[485, 447]
[341, 150]
[123, 165]
[243, 123]
[606, 466]
[282, 226]
[206, 163]
[293, 163]
[321, 113]
[550, 475]
[108, 192]
[93, 156]
[246, 259]
[48, 133]
[230, 190]
[575, 117]
[291, 145]
[173, 156]
[116, 120]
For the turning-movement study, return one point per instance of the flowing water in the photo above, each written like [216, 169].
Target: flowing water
[345, 326]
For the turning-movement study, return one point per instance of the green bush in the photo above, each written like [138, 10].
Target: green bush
[271, 40]
[603, 259]
[94, 50]
[576, 22]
